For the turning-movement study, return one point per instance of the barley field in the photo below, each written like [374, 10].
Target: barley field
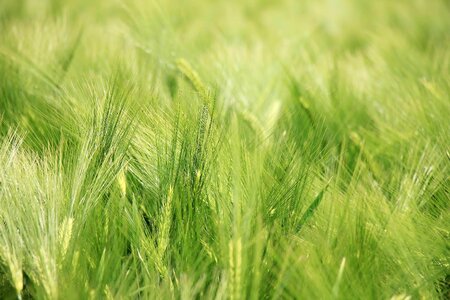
[227, 149]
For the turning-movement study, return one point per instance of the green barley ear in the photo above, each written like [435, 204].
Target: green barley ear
[15, 268]
[65, 234]
[312, 208]
[164, 226]
[189, 72]
[356, 139]
[304, 104]
[122, 181]
[235, 267]
[339, 278]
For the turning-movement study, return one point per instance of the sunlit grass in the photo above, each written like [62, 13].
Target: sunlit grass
[224, 149]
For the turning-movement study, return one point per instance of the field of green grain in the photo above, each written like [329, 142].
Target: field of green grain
[227, 149]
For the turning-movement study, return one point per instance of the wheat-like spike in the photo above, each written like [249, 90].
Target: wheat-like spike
[122, 181]
[65, 234]
[235, 266]
[189, 72]
[231, 270]
[15, 268]
[165, 224]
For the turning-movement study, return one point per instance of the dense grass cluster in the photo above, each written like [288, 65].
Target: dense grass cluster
[224, 149]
